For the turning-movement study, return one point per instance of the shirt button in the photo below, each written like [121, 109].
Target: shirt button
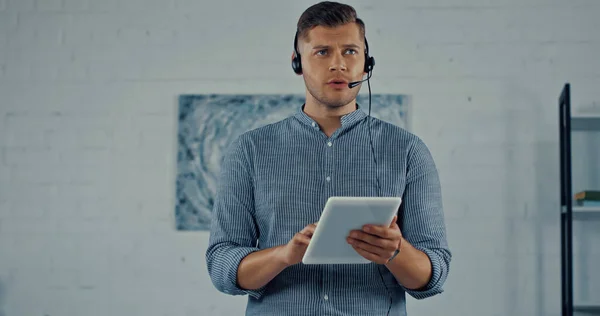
[328, 178]
[314, 124]
[329, 144]
[326, 297]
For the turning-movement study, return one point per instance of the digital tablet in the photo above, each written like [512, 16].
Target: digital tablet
[342, 214]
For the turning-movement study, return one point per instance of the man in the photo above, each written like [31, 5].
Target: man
[276, 179]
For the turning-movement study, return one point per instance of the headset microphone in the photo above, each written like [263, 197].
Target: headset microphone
[356, 83]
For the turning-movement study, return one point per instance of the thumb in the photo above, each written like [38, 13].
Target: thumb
[393, 223]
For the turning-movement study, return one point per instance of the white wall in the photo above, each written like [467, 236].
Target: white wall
[88, 94]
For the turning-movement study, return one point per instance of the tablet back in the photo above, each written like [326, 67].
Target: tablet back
[341, 215]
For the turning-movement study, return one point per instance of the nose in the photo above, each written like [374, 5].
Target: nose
[337, 63]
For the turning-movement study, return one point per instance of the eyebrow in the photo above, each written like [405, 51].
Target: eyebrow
[345, 45]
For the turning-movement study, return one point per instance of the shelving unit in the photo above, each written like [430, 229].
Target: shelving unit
[587, 308]
[569, 211]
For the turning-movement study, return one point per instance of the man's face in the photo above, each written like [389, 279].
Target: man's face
[332, 54]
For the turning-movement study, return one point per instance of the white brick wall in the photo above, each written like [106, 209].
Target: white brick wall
[88, 94]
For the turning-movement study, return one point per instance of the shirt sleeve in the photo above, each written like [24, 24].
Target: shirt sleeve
[422, 219]
[233, 232]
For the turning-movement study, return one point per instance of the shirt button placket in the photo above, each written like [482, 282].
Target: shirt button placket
[329, 155]
[329, 167]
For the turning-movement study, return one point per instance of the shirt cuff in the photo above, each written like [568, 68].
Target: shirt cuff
[433, 287]
[236, 255]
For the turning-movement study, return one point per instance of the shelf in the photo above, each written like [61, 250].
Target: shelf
[584, 212]
[587, 308]
[585, 122]
[584, 209]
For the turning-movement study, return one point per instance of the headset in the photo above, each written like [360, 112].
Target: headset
[368, 68]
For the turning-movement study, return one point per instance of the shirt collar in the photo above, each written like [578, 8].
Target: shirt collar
[347, 120]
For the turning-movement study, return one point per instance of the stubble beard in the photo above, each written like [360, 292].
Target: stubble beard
[331, 102]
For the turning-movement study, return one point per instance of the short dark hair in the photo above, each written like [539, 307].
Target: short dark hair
[328, 14]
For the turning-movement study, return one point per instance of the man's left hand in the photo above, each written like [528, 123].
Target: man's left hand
[376, 243]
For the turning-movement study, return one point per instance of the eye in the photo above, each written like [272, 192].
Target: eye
[351, 50]
[322, 50]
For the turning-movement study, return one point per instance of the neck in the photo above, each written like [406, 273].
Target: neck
[327, 117]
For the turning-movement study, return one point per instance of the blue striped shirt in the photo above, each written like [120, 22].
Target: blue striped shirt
[275, 180]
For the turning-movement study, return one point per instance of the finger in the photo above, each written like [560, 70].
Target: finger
[383, 232]
[310, 228]
[370, 256]
[302, 239]
[391, 225]
[368, 247]
[307, 231]
[374, 240]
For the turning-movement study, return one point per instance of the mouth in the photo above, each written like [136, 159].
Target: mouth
[337, 83]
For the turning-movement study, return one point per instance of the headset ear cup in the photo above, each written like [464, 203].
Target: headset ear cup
[296, 61]
[369, 64]
[296, 65]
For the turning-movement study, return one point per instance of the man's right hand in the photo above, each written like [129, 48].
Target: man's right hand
[292, 252]
[260, 267]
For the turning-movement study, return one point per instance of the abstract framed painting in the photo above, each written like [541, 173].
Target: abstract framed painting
[208, 123]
